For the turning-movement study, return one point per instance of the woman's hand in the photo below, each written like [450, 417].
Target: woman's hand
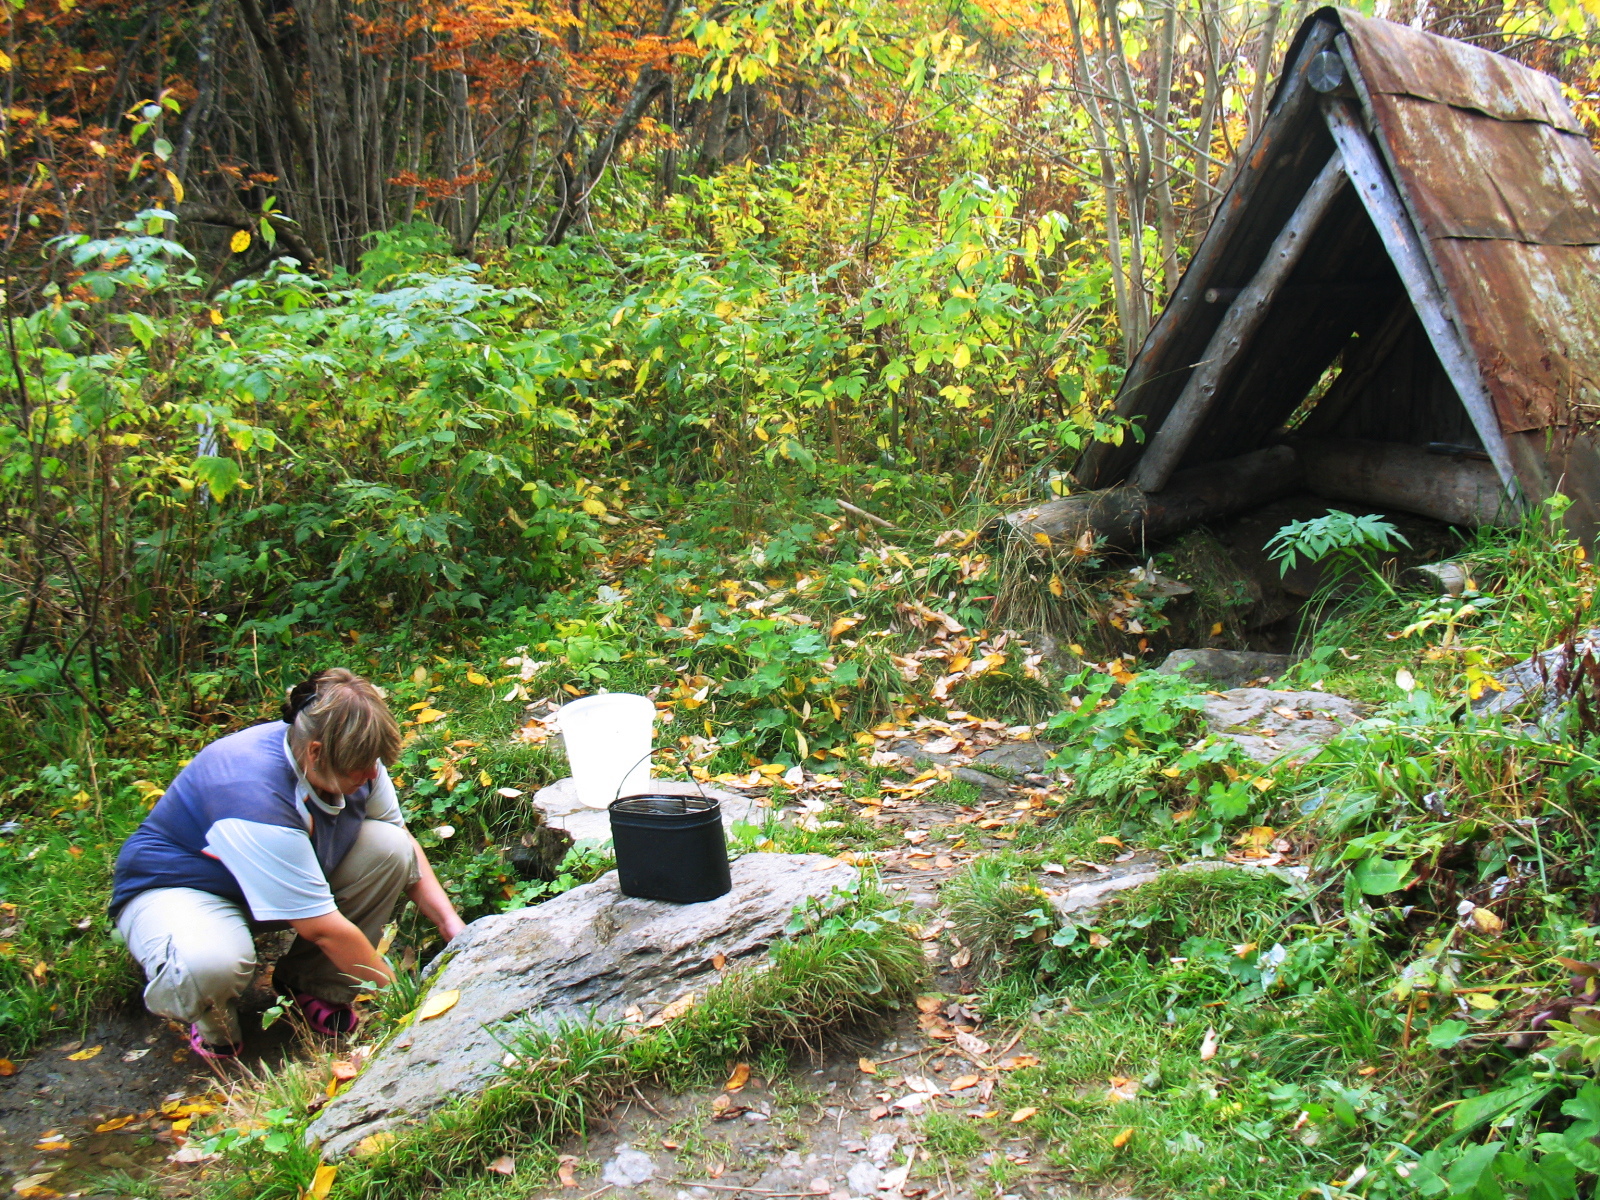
[346, 947]
[429, 895]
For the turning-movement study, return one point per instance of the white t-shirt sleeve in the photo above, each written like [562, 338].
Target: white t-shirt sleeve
[382, 803]
[275, 867]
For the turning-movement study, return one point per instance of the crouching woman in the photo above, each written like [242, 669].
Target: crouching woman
[294, 824]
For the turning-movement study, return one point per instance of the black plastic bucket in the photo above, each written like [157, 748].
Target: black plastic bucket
[670, 848]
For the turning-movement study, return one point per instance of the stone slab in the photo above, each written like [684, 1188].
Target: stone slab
[1271, 725]
[586, 955]
[1224, 668]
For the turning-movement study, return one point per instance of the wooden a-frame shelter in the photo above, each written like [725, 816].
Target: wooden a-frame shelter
[1397, 303]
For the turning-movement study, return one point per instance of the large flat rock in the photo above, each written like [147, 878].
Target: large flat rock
[583, 956]
[1269, 725]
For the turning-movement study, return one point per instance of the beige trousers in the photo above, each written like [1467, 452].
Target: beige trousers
[198, 953]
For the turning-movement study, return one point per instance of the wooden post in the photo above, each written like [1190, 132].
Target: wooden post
[1400, 238]
[1244, 317]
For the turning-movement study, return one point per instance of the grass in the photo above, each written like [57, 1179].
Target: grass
[850, 965]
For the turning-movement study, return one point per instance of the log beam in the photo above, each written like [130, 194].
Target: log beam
[1387, 210]
[1453, 488]
[1243, 319]
[1130, 519]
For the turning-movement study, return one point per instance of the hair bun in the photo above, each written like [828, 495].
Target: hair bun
[301, 695]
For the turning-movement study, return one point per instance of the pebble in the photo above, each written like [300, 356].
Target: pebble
[629, 1168]
[863, 1179]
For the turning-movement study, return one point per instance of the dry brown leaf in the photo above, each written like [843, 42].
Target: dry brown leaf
[867, 1066]
[737, 1080]
[878, 1112]
[344, 1071]
[1122, 1088]
[1587, 970]
[961, 958]
[973, 1047]
[672, 1011]
[565, 1172]
[1022, 1114]
[1482, 919]
[504, 1165]
[1208, 1045]
[962, 1082]
[716, 1169]
[928, 1004]
[1017, 1061]
[438, 1004]
[1122, 1138]
[718, 961]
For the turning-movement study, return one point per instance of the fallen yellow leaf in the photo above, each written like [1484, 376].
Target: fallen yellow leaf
[867, 1066]
[1022, 1114]
[740, 1077]
[372, 1144]
[114, 1124]
[1122, 1138]
[7, 1067]
[438, 1004]
[85, 1054]
[428, 716]
[321, 1183]
[962, 1082]
[477, 678]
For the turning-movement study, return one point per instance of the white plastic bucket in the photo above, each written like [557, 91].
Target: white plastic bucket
[608, 739]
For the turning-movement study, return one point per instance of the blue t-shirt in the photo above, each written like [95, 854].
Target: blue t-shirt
[241, 821]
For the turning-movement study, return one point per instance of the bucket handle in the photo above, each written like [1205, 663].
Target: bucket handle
[644, 758]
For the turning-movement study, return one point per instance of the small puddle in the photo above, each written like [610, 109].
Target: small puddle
[88, 1158]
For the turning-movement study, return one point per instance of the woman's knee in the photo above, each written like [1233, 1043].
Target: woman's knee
[381, 850]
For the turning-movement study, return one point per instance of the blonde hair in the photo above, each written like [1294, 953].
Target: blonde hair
[348, 715]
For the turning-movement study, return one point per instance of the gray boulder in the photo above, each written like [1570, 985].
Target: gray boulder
[1224, 668]
[587, 955]
[1270, 725]
[1533, 678]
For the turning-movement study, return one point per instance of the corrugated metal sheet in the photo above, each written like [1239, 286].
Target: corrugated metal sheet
[1504, 189]
[1507, 192]
[1472, 176]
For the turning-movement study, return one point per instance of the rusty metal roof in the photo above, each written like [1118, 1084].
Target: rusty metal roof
[1505, 191]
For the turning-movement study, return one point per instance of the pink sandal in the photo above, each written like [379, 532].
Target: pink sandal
[326, 1017]
[204, 1049]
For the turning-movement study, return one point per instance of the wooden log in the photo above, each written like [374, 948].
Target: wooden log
[1400, 238]
[1130, 519]
[1453, 488]
[1244, 317]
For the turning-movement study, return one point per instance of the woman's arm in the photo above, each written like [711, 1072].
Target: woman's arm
[429, 896]
[346, 947]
